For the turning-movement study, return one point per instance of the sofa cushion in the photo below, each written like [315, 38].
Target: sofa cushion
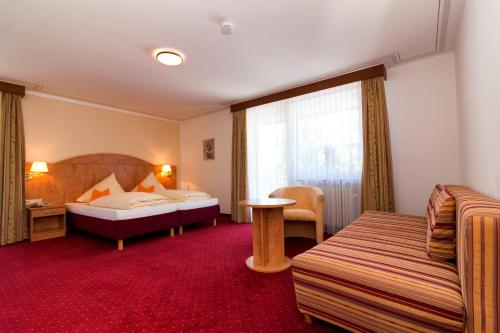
[441, 225]
[298, 214]
[375, 276]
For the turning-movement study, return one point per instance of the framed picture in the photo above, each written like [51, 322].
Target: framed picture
[209, 149]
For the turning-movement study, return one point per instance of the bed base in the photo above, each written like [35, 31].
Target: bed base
[122, 229]
[199, 215]
[120, 241]
[181, 229]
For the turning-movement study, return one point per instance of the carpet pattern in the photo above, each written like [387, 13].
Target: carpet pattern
[195, 282]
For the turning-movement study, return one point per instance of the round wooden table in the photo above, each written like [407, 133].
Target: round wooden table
[268, 235]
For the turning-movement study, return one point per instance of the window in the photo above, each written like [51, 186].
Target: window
[313, 139]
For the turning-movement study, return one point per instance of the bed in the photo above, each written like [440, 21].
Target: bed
[68, 179]
[119, 224]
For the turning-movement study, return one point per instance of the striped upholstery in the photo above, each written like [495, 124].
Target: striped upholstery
[478, 257]
[376, 276]
[441, 225]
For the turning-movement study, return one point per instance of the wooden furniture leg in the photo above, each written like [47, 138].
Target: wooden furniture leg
[180, 230]
[308, 319]
[214, 222]
[120, 245]
[172, 232]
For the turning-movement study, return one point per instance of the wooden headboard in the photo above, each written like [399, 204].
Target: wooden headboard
[68, 179]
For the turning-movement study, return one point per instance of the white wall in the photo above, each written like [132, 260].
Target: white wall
[478, 73]
[421, 103]
[212, 176]
[423, 122]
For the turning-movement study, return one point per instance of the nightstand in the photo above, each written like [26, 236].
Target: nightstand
[46, 222]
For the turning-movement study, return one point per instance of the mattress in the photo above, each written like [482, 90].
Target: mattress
[196, 203]
[119, 214]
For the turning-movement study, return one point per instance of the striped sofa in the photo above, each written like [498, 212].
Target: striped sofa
[376, 275]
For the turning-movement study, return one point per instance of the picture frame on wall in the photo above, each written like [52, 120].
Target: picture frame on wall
[209, 149]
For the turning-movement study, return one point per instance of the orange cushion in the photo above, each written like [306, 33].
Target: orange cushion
[97, 194]
[299, 214]
[149, 189]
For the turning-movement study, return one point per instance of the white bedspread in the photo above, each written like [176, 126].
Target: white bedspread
[129, 200]
[119, 214]
[196, 203]
[181, 195]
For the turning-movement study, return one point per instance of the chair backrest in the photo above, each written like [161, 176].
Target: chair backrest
[304, 195]
[478, 257]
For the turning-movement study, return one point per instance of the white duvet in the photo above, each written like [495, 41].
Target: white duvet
[129, 200]
[194, 194]
[181, 195]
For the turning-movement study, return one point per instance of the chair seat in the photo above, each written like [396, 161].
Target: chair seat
[299, 214]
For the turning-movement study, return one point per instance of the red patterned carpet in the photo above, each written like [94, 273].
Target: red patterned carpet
[196, 282]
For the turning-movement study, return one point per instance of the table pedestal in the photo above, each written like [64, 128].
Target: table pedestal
[268, 241]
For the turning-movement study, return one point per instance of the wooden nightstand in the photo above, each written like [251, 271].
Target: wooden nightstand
[46, 222]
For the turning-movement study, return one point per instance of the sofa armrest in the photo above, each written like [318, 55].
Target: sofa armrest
[478, 262]
[478, 256]
[318, 198]
[319, 211]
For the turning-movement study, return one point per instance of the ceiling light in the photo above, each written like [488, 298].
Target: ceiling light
[169, 58]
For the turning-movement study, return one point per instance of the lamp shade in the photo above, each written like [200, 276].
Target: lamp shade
[38, 167]
[166, 168]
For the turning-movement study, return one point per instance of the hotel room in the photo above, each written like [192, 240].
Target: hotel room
[249, 166]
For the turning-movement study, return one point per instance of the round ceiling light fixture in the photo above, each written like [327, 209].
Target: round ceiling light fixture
[169, 58]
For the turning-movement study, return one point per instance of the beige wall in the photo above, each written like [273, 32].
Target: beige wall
[421, 102]
[212, 176]
[56, 130]
[478, 95]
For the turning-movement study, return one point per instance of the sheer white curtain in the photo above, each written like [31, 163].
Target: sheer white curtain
[313, 139]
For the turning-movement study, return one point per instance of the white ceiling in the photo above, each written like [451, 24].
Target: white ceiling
[100, 51]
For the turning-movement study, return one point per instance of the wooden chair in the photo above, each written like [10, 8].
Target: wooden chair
[305, 218]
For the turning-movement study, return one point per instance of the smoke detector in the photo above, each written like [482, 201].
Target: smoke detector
[226, 28]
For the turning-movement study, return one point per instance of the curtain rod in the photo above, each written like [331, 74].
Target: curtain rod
[11, 88]
[359, 75]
